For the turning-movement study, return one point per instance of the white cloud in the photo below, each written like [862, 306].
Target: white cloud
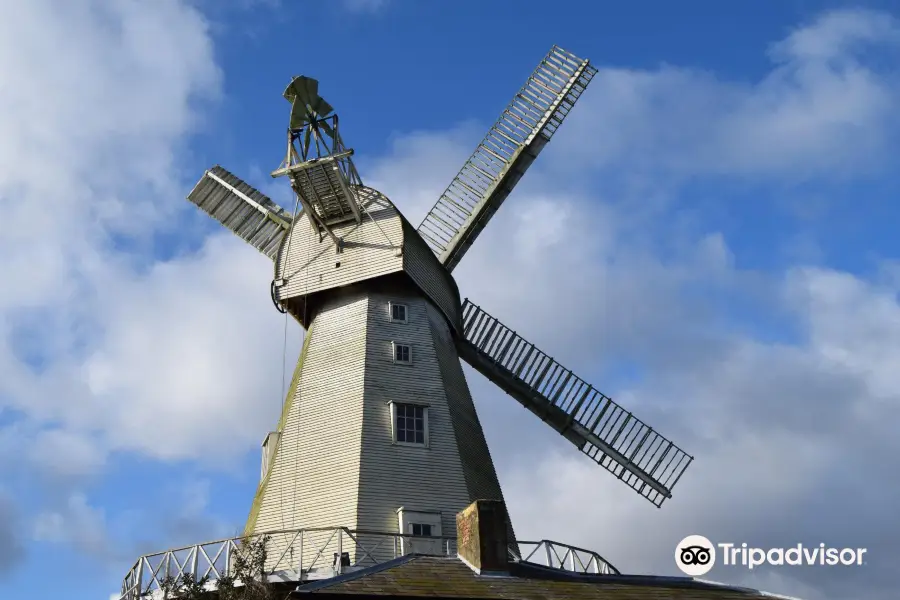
[95, 112]
[189, 358]
[115, 350]
[77, 523]
[816, 113]
[64, 453]
[93, 109]
[203, 363]
[182, 359]
[419, 165]
[854, 325]
[788, 444]
[837, 34]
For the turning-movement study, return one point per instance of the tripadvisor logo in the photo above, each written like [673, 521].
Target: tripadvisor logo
[695, 555]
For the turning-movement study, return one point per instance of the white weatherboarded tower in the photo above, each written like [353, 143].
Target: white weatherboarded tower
[379, 432]
[379, 428]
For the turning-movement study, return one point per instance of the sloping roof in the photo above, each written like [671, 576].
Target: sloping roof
[415, 576]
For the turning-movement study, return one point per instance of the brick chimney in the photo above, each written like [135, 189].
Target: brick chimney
[481, 536]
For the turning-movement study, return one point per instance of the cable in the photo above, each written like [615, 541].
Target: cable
[287, 255]
[305, 316]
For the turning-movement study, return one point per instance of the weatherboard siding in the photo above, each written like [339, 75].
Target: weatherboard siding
[478, 468]
[423, 267]
[250, 526]
[392, 476]
[336, 464]
[315, 476]
[308, 263]
[383, 243]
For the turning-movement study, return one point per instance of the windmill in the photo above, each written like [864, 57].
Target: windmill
[378, 430]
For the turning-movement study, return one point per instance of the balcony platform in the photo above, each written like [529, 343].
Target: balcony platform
[478, 563]
[318, 549]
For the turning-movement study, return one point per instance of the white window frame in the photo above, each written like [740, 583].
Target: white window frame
[405, 318]
[425, 437]
[394, 346]
[412, 543]
[268, 452]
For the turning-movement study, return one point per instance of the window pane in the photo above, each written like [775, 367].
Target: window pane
[409, 423]
[426, 529]
[398, 312]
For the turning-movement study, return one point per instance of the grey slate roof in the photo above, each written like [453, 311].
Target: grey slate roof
[417, 576]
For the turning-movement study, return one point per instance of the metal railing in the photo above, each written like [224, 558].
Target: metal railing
[562, 556]
[310, 554]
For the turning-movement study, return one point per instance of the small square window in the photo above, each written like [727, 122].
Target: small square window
[419, 529]
[402, 353]
[410, 423]
[398, 313]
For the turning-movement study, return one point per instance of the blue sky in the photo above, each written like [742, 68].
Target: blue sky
[709, 239]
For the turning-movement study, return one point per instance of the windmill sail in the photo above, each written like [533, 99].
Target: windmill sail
[613, 437]
[241, 208]
[505, 154]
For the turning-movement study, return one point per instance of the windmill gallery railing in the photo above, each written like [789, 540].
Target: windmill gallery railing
[319, 550]
[612, 436]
